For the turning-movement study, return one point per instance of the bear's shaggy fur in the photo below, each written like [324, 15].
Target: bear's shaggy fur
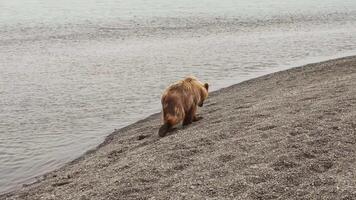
[180, 101]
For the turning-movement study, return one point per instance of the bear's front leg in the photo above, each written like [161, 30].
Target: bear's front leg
[189, 117]
[197, 118]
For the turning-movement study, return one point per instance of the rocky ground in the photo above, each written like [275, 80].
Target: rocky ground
[287, 135]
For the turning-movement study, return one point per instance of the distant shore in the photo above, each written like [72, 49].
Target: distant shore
[289, 135]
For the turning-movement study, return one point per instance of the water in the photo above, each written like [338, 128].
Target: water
[73, 71]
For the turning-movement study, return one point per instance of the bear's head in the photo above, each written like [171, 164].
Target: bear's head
[204, 94]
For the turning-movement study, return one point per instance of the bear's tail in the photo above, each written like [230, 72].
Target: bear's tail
[164, 129]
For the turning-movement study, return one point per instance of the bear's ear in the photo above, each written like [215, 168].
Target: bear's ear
[206, 85]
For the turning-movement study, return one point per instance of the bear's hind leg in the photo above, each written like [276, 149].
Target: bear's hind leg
[164, 130]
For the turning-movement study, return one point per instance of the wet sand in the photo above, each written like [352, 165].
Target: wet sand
[287, 135]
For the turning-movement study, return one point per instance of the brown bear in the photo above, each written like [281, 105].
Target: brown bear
[180, 101]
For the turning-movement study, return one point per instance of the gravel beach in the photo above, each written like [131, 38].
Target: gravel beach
[286, 135]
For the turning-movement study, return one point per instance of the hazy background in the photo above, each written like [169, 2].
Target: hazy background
[73, 71]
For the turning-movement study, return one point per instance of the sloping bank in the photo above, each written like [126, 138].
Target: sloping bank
[290, 134]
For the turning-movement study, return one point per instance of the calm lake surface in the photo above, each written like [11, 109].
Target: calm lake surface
[73, 71]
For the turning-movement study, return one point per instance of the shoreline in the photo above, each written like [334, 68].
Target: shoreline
[311, 61]
[130, 130]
